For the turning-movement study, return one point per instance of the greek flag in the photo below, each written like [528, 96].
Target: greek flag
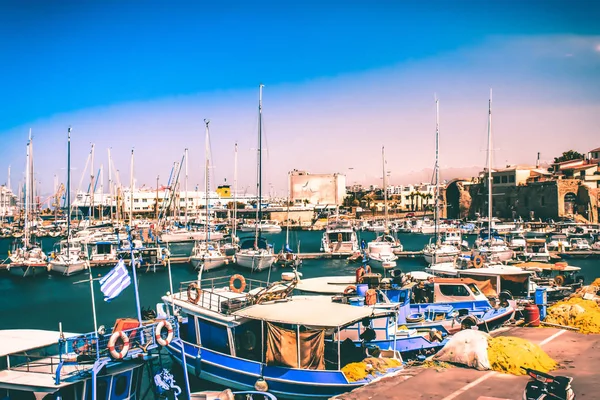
[115, 281]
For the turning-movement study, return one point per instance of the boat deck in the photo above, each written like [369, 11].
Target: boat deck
[576, 352]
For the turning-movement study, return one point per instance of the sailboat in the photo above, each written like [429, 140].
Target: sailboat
[207, 254]
[28, 259]
[256, 254]
[381, 250]
[286, 257]
[231, 247]
[70, 257]
[492, 249]
[437, 252]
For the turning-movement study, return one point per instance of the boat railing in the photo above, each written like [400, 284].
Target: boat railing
[208, 297]
[117, 343]
[25, 361]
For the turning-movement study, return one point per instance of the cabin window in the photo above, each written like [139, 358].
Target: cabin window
[496, 179]
[214, 336]
[474, 289]
[103, 248]
[504, 179]
[454, 290]
[511, 179]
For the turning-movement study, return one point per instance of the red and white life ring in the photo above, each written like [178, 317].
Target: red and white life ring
[158, 333]
[118, 355]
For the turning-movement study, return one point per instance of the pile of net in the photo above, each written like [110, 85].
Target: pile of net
[576, 312]
[369, 368]
[503, 354]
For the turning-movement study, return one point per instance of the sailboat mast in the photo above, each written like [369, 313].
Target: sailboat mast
[92, 188]
[131, 190]
[235, 188]
[186, 188]
[68, 191]
[385, 196]
[259, 169]
[437, 168]
[27, 189]
[206, 182]
[110, 187]
[287, 217]
[489, 168]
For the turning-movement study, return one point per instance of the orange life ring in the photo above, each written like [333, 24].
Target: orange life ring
[193, 293]
[237, 277]
[478, 262]
[350, 289]
[118, 355]
[371, 297]
[340, 237]
[158, 332]
[559, 280]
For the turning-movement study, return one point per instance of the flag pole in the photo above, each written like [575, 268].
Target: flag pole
[135, 283]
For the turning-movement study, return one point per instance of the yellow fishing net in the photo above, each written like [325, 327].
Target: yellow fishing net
[577, 313]
[508, 354]
[369, 366]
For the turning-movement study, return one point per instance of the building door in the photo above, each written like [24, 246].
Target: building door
[570, 200]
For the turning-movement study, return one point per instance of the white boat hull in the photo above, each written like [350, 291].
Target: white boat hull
[255, 261]
[25, 271]
[439, 258]
[189, 236]
[67, 269]
[497, 255]
[208, 262]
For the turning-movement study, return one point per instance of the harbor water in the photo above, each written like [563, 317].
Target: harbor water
[44, 301]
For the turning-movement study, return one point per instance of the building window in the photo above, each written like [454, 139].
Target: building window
[504, 179]
[511, 179]
[135, 200]
[496, 179]
[144, 200]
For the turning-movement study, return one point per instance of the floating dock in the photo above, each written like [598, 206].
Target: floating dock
[575, 352]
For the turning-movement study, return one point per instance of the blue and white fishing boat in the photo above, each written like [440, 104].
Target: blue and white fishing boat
[451, 303]
[61, 364]
[245, 334]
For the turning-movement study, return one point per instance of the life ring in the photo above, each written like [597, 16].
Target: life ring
[371, 297]
[350, 289]
[118, 355]
[193, 293]
[559, 280]
[417, 317]
[158, 332]
[478, 262]
[237, 277]
[340, 237]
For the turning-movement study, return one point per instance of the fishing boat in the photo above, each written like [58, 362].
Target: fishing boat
[536, 250]
[68, 259]
[256, 254]
[61, 364]
[451, 303]
[339, 237]
[207, 254]
[243, 333]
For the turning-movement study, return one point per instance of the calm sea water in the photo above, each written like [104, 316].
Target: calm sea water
[43, 301]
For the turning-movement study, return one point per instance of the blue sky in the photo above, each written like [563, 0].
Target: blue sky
[342, 79]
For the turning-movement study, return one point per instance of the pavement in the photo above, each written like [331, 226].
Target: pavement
[577, 354]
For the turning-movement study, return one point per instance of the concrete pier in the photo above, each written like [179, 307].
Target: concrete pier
[575, 352]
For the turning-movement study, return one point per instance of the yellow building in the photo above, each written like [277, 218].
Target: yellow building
[224, 191]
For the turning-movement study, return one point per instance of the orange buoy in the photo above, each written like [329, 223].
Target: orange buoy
[371, 297]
